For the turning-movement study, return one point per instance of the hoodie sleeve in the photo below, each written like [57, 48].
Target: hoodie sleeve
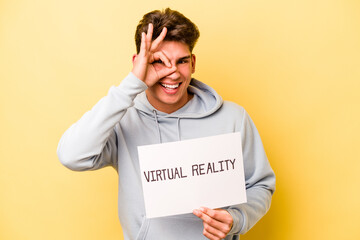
[259, 180]
[91, 142]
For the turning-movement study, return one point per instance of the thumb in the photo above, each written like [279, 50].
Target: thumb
[166, 71]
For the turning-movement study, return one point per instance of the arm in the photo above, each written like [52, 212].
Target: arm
[91, 142]
[259, 179]
[260, 185]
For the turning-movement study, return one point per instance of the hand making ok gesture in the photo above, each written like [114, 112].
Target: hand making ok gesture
[143, 61]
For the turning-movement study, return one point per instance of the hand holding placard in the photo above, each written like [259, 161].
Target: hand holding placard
[217, 222]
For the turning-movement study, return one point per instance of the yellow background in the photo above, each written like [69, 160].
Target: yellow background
[294, 65]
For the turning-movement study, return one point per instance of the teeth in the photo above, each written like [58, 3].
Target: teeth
[170, 86]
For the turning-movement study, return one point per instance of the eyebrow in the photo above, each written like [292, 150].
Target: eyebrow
[183, 58]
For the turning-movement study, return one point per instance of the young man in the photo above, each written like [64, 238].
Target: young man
[159, 102]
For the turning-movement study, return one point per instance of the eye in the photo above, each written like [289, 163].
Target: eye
[182, 61]
[157, 61]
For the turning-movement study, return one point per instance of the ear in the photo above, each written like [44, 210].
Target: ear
[193, 61]
[133, 58]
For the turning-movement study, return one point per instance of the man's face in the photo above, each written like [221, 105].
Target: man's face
[170, 93]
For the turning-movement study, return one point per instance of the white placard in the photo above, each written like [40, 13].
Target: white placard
[178, 177]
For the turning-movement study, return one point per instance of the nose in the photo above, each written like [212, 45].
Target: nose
[175, 75]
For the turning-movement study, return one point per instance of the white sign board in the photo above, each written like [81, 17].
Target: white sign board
[178, 177]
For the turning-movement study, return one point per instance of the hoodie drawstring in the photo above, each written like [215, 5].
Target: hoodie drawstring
[157, 124]
[158, 127]
[178, 129]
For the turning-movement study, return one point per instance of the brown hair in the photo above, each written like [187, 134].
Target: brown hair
[179, 28]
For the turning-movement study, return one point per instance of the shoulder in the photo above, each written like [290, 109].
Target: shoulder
[231, 107]
[232, 112]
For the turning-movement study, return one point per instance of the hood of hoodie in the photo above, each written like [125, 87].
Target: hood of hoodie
[204, 103]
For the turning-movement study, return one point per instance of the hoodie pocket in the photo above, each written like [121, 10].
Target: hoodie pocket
[143, 229]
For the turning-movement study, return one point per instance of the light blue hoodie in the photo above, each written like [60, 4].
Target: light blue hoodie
[109, 134]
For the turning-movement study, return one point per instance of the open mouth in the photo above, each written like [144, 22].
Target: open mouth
[170, 86]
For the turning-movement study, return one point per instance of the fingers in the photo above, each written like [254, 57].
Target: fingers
[165, 72]
[218, 214]
[162, 69]
[143, 66]
[155, 44]
[147, 43]
[162, 57]
[213, 222]
[146, 40]
[212, 233]
[143, 43]
[149, 36]
[217, 222]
